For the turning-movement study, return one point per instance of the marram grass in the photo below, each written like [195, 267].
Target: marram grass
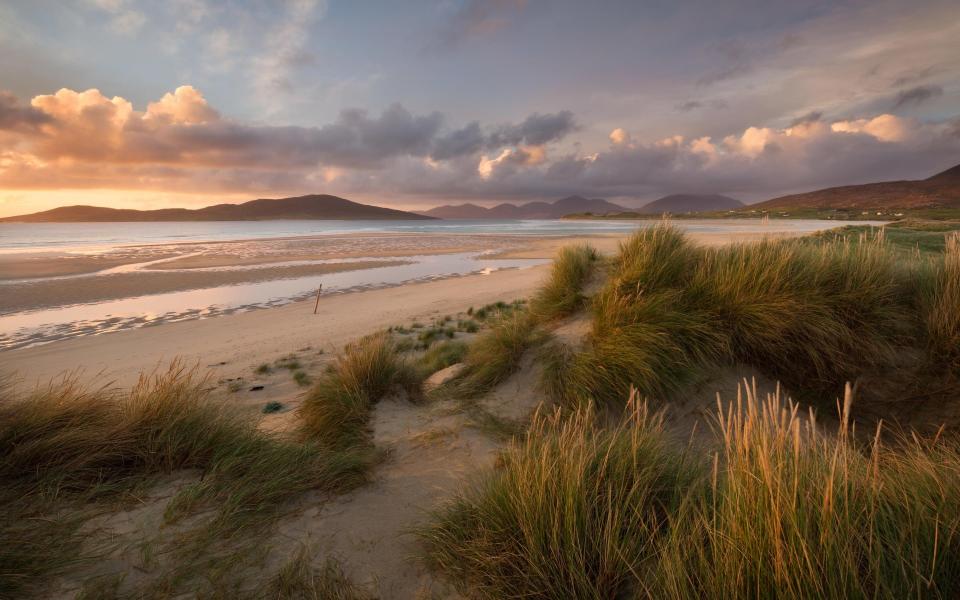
[337, 408]
[813, 316]
[782, 510]
[65, 448]
[561, 294]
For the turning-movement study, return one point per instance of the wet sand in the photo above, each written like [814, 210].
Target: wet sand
[47, 293]
[244, 339]
[200, 255]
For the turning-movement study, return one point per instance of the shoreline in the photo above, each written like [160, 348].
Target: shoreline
[241, 337]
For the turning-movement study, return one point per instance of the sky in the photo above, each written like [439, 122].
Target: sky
[145, 104]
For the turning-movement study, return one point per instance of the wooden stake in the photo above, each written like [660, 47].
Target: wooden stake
[319, 289]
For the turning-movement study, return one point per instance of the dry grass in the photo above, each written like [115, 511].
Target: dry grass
[298, 579]
[813, 316]
[494, 355]
[67, 449]
[578, 510]
[337, 409]
[559, 519]
[942, 315]
[561, 294]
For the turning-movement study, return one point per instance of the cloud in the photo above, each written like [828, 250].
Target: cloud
[535, 130]
[461, 142]
[690, 105]
[18, 117]
[284, 50]
[476, 19]
[756, 163]
[86, 138]
[917, 95]
[811, 117]
[123, 19]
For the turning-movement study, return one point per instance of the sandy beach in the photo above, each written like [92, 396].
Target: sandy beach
[242, 340]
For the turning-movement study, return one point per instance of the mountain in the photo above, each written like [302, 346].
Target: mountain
[315, 206]
[685, 203]
[939, 191]
[530, 210]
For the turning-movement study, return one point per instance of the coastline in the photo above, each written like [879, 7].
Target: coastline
[242, 338]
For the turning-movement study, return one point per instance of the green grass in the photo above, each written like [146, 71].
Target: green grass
[911, 236]
[440, 356]
[942, 312]
[495, 354]
[302, 379]
[291, 363]
[298, 579]
[572, 512]
[812, 315]
[67, 450]
[337, 409]
[561, 294]
[578, 509]
[263, 369]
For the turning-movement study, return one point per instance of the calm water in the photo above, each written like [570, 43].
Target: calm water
[30, 237]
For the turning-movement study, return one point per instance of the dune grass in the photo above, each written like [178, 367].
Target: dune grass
[561, 294]
[66, 450]
[812, 315]
[942, 311]
[559, 518]
[441, 356]
[337, 408]
[298, 579]
[579, 510]
[495, 354]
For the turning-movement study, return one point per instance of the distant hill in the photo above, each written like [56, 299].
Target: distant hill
[940, 191]
[685, 203]
[530, 210]
[315, 206]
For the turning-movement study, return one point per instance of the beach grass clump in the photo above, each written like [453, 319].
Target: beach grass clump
[66, 448]
[942, 311]
[561, 294]
[578, 509]
[468, 326]
[794, 513]
[290, 363]
[299, 579]
[337, 409]
[495, 354]
[574, 511]
[441, 356]
[301, 378]
[813, 316]
[263, 369]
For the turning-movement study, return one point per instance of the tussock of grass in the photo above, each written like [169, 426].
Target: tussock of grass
[65, 447]
[561, 296]
[337, 409]
[560, 518]
[579, 511]
[793, 513]
[298, 579]
[942, 317]
[441, 356]
[811, 315]
[495, 354]
[301, 377]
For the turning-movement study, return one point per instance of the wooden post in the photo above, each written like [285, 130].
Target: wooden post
[317, 305]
